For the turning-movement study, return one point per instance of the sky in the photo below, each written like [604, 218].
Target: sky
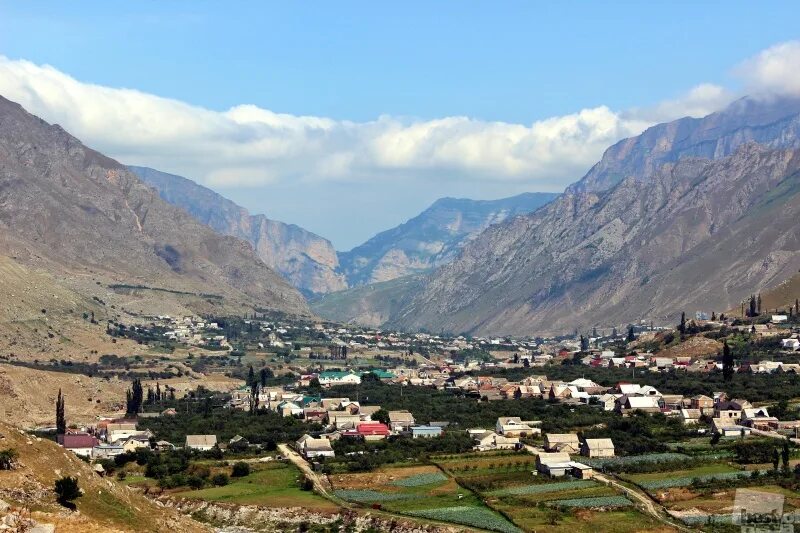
[348, 118]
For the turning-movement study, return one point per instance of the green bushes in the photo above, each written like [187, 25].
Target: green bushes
[240, 469]
[754, 452]
[220, 480]
[7, 458]
[67, 491]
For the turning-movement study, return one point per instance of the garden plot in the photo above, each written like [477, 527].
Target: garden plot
[683, 478]
[373, 496]
[543, 488]
[598, 462]
[685, 481]
[420, 480]
[423, 492]
[599, 502]
[468, 516]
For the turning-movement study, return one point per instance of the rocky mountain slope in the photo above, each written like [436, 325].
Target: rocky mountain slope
[368, 305]
[432, 238]
[690, 215]
[773, 122]
[306, 260]
[99, 232]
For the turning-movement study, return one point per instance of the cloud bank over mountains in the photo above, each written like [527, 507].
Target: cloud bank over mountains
[251, 146]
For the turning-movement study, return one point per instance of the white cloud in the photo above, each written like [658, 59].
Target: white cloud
[698, 102]
[774, 71]
[248, 145]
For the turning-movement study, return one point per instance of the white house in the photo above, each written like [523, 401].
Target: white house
[562, 442]
[727, 427]
[489, 440]
[690, 416]
[121, 431]
[401, 420]
[338, 378]
[514, 426]
[311, 447]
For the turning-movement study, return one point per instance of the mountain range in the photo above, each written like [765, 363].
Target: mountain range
[98, 232]
[432, 238]
[692, 214]
[695, 214]
[306, 260]
[310, 263]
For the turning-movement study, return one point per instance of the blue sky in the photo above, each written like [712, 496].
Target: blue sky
[514, 63]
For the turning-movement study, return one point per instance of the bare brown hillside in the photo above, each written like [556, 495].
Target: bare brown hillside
[100, 232]
[106, 506]
[28, 396]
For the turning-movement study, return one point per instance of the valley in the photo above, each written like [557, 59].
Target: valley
[544, 291]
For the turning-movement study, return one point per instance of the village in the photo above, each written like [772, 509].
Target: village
[335, 401]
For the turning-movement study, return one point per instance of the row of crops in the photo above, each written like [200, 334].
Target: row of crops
[542, 488]
[419, 480]
[373, 496]
[706, 519]
[468, 516]
[600, 462]
[685, 481]
[597, 501]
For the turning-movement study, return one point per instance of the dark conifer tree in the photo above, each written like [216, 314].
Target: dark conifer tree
[727, 362]
[61, 419]
[251, 377]
[134, 397]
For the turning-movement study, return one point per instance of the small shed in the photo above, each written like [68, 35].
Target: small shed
[597, 448]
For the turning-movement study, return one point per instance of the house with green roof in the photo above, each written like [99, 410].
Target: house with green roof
[380, 373]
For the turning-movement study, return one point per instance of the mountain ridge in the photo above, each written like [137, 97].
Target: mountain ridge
[83, 217]
[306, 260]
[431, 238]
[565, 265]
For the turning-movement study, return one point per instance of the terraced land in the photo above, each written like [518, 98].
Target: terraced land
[705, 505]
[422, 492]
[536, 503]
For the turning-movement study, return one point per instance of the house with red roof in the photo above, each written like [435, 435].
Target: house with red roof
[78, 443]
[371, 431]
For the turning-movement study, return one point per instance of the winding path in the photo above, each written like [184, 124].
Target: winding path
[298, 460]
[655, 510]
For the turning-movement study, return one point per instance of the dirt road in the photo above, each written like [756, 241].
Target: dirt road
[653, 509]
[321, 485]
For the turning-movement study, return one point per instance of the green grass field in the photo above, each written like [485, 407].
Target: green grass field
[540, 518]
[272, 485]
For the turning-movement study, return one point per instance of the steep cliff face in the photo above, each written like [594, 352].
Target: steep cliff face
[432, 238]
[773, 123]
[306, 260]
[694, 214]
[90, 222]
[699, 235]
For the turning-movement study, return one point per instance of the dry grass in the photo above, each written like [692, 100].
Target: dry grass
[27, 396]
[105, 505]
